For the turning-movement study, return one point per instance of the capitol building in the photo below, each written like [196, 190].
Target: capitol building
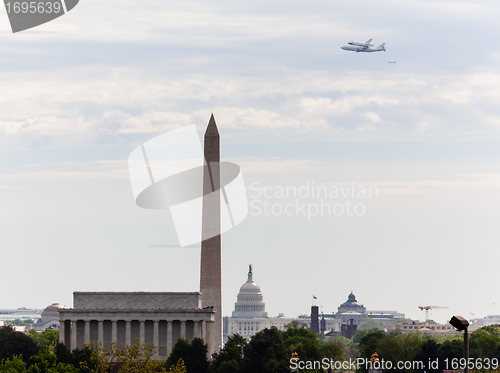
[250, 301]
[249, 315]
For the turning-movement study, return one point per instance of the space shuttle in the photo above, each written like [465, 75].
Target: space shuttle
[359, 44]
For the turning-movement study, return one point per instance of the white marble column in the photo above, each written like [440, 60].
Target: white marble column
[204, 331]
[183, 329]
[169, 337]
[142, 331]
[86, 338]
[156, 336]
[74, 325]
[100, 332]
[196, 331]
[114, 331]
[128, 333]
[210, 337]
[62, 332]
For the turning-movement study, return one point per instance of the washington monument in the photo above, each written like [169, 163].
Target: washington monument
[210, 268]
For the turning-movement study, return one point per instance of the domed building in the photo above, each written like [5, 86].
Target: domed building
[49, 318]
[351, 310]
[354, 312]
[249, 315]
[250, 301]
[352, 305]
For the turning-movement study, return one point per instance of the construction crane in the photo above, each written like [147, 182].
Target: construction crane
[427, 308]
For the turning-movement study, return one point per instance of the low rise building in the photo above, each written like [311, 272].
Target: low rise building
[485, 321]
[423, 327]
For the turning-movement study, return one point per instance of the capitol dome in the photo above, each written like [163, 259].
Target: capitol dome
[250, 286]
[250, 301]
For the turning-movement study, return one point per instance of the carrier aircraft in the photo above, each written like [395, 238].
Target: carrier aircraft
[357, 46]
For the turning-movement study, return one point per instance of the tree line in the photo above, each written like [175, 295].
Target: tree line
[414, 346]
[268, 351]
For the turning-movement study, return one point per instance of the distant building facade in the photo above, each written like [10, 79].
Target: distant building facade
[248, 327]
[387, 317]
[485, 321]
[423, 327]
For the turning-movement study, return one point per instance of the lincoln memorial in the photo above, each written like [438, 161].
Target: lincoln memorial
[159, 318]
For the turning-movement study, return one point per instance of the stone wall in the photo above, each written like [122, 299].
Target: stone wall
[136, 300]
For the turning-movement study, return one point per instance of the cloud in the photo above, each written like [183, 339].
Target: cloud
[48, 125]
[258, 165]
[248, 118]
[154, 122]
[64, 175]
[472, 182]
[95, 170]
[82, 108]
[150, 68]
[345, 105]
[374, 117]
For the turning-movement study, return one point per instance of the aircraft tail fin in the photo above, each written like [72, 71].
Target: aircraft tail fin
[368, 42]
[382, 46]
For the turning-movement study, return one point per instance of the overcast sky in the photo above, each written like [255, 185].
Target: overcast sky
[293, 110]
